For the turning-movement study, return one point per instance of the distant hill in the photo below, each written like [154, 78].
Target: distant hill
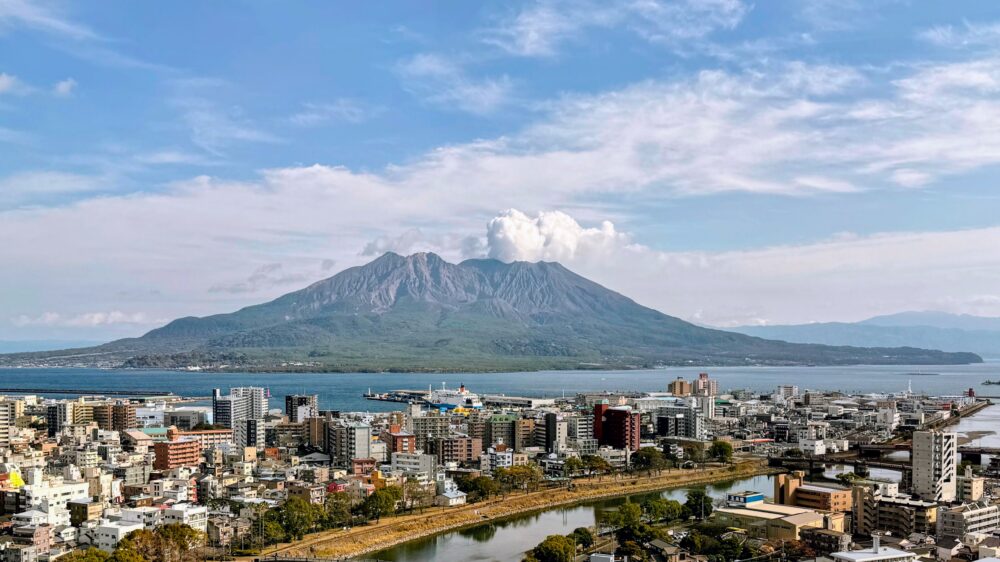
[20, 346]
[423, 313]
[932, 330]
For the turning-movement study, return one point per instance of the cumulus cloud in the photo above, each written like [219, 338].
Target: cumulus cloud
[550, 236]
[64, 88]
[10, 84]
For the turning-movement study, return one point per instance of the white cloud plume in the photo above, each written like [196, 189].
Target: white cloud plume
[550, 236]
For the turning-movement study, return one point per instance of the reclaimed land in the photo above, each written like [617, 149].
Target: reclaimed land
[392, 531]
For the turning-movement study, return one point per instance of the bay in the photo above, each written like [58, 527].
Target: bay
[342, 391]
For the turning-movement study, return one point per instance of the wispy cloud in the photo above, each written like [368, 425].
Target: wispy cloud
[41, 16]
[341, 110]
[967, 35]
[215, 127]
[267, 276]
[42, 186]
[85, 320]
[446, 83]
[543, 26]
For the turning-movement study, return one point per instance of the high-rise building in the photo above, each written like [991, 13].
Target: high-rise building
[681, 420]
[705, 386]
[58, 416]
[787, 390]
[620, 428]
[307, 403]
[347, 441]
[10, 410]
[428, 427]
[679, 387]
[116, 417]
[556, 432]
[500, 428]
[935, 465]
[243, 411]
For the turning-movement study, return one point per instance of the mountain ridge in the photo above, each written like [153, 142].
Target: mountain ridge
[937, 330]
[420, 312]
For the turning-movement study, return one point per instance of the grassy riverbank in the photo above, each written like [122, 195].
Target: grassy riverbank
[395, 530]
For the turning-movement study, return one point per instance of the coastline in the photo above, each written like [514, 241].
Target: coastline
[405, 528]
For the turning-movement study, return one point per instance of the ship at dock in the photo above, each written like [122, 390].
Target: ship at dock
[450, 398]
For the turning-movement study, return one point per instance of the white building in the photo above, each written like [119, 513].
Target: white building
[108, 535]
[194, 516]
[935, 465]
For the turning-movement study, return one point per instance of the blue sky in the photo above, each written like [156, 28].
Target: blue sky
[725, 161]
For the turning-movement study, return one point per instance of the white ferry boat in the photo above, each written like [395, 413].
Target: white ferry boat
[451, 398]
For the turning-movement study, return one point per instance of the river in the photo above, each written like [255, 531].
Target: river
[507, 540]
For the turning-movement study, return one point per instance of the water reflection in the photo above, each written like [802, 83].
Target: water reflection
[507, 540]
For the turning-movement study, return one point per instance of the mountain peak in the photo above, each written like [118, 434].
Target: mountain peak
[422, 312]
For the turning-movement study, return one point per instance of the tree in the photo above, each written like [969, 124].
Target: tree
[337, 510]
[572, 466]
[661, 509]
[698, 503]
[633, 551]
[298, 517]
[721, 451]
[695, 454]
[583, 537]
[381, 502]
[90, 555]
[847, 478]
[120, 555]
[417, 495]
[794, 453]
[596, 465]
[649, 459]
[555, 548]
[478, 488]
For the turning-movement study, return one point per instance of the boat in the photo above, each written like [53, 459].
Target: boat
[991, 382]
[450, 398]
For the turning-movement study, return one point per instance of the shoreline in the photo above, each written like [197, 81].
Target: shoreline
[410, 527]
